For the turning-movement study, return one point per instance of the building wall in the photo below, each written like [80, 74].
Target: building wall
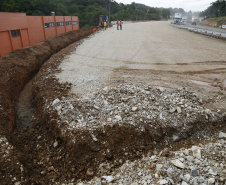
[18, 30]
[75, 26]
[35, 25]
[12, 21]
[5, 44]
[68, 27]
[50, 32]
[16, 43]
[25, 37]
[60, 29]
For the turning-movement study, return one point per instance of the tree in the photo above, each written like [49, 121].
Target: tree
[88, 11]
[165, 13]
[217, 9]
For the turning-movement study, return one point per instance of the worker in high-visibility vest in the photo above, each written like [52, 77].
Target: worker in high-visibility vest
[120, 25]
[105, 25]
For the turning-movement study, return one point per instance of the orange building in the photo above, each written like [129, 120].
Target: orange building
[18, 30]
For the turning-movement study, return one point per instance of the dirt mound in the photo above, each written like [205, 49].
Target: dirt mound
[105, 129]
[16, 69]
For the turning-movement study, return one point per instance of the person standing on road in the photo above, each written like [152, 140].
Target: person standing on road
[120, 25]
[117, 23]
[105, 25]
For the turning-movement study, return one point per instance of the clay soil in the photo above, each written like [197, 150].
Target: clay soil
[17, 69]
[42, 154]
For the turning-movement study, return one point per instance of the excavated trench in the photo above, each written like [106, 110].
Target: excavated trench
[25, 110]
[16, 70]
[47, 154]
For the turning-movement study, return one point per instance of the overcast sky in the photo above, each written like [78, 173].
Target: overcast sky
[193, 5]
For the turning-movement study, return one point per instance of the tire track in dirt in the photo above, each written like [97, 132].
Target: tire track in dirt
[141, 71]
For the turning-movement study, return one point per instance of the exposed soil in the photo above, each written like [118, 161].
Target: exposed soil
[25, 109]
[17, 68]
[47, 153]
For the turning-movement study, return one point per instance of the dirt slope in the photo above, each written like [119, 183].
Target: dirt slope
[16, 69]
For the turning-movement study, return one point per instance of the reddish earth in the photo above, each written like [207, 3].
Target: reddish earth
[16, 70]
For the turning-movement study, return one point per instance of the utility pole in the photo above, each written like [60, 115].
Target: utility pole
[109, 12]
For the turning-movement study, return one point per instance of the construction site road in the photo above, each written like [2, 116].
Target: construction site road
[80, 105]
[152, 53]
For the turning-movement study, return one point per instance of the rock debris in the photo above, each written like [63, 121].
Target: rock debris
[176, 169]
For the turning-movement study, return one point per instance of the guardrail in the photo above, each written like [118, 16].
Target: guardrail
[206, 32]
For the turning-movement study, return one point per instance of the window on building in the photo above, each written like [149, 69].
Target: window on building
[15, 33]
[49, 25]
[75, 22]
[60, 23]
[68, 22]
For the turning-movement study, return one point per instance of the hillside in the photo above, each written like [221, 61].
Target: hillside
[215, 22]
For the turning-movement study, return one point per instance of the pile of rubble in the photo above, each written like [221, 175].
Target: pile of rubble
[135, 105]
[150, 119]
[203, 164]
[174, 115]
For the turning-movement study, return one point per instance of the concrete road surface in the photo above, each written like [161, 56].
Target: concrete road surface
[153, 53]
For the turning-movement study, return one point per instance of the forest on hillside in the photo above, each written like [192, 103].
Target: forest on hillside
[88, 11]
[217, 9]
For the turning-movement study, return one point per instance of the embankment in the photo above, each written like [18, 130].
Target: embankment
[18, 67]
[215, 22]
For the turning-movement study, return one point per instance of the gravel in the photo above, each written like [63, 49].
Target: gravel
[134, 105]
[157, 169]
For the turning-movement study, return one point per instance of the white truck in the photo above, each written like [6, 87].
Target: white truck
[177, 18]
[184, 20]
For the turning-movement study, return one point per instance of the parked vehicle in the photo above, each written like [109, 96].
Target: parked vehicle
[102, 19]
[177, 18]
[184, 20]
[194, 21]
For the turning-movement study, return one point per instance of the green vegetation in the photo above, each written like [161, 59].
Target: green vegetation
[217, 9]
[88, 10]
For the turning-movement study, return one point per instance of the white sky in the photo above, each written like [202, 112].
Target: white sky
[193, 5]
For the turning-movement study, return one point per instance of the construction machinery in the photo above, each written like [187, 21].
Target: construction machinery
[102, 19]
